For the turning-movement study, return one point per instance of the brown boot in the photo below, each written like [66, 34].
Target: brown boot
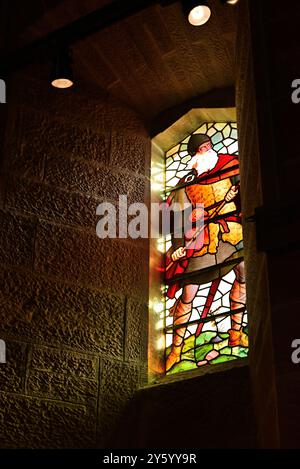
[181, 313]
[174, 356]
[244, 342]
[237, 337]
[173, 308]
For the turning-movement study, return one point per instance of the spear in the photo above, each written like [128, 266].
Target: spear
[201, 228]
[216, 282]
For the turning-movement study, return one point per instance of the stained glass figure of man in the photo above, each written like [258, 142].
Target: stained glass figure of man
[213, 182]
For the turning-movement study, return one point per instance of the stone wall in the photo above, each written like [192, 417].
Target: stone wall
[73, 307]
[269, 127]
[261, 358]
[276, 66]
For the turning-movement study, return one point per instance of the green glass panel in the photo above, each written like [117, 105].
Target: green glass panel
[182, 366]
[185, 159]
[222, 359]
[240, 352]
[202, 351]
[226, 351]
[226, 131]
[234, 134]
[218, 137]
[218, 146]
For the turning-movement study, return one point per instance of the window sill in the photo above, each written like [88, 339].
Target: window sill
[201, 371]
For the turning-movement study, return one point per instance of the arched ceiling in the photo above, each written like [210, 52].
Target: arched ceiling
[153, 60]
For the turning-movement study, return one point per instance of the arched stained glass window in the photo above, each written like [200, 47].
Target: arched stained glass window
[204, 293]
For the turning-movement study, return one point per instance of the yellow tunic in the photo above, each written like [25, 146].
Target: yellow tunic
[209, 194]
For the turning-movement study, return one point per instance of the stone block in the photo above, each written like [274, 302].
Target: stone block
[62, 387]
[44, 135]
[25, 145]
[136, 340]
[96, 180]
[12, 373]
[79, 142]
[53, 360]
[129, 151]
[61, 375]
[52, 204]
[130, 269]
[117, 265]
[46, 312]
[72, 254]
[118, 382]
[39, 423]
[16, 240]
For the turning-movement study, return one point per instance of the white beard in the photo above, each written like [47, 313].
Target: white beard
[204, 162]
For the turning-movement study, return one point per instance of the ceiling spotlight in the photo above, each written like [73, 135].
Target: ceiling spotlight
[197, 10]
[62, 74]
[230, 2]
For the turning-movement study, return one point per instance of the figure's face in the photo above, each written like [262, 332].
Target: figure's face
[204, 148]
[205, 159]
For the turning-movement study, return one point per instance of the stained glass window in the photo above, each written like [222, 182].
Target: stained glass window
[205, 294]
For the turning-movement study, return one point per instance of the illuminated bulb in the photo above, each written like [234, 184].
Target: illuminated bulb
[62, 74]
[232, 2]
[62, 83]
[199, 15]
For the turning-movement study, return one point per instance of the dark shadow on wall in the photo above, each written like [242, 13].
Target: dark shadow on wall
[210, 411]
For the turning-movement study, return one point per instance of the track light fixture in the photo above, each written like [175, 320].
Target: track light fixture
[62, 74]
[197, 11]
[230, 2]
